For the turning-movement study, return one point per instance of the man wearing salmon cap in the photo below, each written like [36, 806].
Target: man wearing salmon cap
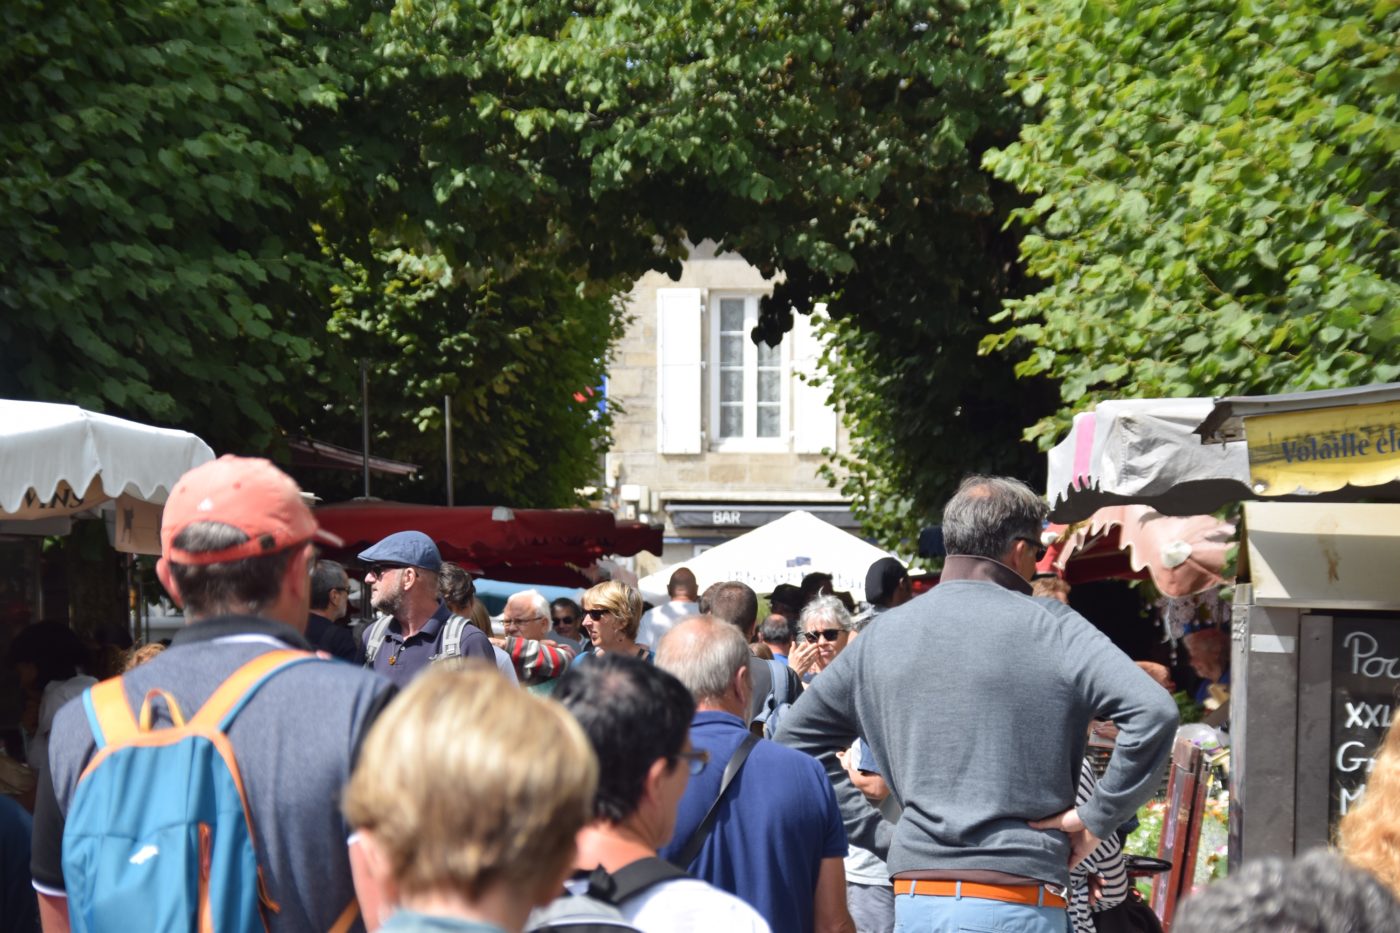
[238, 545]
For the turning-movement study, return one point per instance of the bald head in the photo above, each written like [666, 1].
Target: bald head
[682, 586]
[710, 657]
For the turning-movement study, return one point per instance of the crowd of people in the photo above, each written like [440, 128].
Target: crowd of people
[916, 764]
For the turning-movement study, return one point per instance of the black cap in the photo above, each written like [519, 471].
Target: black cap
[882, 579]
[787, 595]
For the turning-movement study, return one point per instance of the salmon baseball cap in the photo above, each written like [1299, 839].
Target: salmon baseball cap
[249, 494]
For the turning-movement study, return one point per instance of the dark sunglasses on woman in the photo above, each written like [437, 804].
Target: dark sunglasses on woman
[830, 634]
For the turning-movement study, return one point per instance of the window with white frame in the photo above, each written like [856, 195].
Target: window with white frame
[747, 379]
[718, 390]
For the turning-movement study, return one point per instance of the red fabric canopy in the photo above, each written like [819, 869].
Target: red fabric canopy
[553, 546]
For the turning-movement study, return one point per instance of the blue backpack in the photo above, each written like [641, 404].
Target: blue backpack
[159, 835]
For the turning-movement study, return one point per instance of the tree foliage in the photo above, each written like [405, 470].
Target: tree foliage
[213, 210]
[150, 229]
[217, 209]
[839, 144]
[1215, 196]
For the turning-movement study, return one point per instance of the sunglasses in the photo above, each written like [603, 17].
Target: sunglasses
[830, 634]
[695, 760]
[595, 614]
[566, 620]
[1040, 549]
[378, 570]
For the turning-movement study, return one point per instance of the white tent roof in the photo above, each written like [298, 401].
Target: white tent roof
[84, 459]
[1144, 451]
[782, 551]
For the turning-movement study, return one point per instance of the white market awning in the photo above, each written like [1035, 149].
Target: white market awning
[783, 551]
[1144, 451]
[60, 460]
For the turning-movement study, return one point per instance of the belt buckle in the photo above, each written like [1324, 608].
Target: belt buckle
[1058, 890]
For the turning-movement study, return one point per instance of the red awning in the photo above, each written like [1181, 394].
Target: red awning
[555, 546]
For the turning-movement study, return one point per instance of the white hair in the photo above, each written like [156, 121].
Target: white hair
[829, 609]
[534, 598]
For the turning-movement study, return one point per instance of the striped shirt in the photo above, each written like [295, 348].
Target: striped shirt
[1106, 861]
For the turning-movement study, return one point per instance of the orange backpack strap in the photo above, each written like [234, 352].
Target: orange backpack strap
[347, 918]
[109, 714]
[230, 695]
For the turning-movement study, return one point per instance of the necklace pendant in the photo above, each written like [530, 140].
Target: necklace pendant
[393, 659]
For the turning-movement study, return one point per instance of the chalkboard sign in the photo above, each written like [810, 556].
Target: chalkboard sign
[1365, 685]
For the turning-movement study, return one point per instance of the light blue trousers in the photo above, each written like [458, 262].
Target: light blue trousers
[921, 913]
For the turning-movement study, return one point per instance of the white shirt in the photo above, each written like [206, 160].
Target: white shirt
[657, 622]
[56, 694]
[687, 905]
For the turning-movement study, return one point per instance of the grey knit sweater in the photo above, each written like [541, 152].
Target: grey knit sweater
[975, 699]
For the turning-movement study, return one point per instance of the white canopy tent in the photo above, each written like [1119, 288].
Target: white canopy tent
[782, 551]
[1144, 451]
[57, 461]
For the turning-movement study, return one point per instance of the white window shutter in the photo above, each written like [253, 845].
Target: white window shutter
[813, 417]
[678, 370]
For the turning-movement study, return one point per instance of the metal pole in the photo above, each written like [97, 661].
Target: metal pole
[364, 411]
[447, 420]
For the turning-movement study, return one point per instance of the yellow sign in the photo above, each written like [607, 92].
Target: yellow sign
[1323, 450]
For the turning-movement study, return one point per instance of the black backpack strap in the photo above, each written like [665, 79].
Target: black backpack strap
[630, 880]
[707, 825]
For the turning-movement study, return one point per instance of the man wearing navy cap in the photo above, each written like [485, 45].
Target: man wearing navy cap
[402, 574]
[887, 585]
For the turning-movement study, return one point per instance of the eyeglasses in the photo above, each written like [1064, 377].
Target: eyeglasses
[517, 623]
[378, 570]
[695, 760]
[595, 614]
[567, 620]
[1040, 549]
[830, 634]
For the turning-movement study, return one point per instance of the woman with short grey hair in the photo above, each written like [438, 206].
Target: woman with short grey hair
[824, 629]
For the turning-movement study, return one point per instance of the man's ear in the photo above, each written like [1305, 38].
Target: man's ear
[381, 876]
[167, 580]
[658, 772]
[743, 685]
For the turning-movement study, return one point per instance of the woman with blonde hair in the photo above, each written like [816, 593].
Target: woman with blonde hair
[1369, 834]
[466, 802]
[612, 613]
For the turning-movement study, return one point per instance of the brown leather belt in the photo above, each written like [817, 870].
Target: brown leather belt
[1035, 895]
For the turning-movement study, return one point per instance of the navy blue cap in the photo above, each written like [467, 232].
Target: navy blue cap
[882, 578]
[412, 548]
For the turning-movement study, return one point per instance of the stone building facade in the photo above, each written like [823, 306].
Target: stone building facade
[714, 435]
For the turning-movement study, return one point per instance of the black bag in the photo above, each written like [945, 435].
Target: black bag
[1131, 916]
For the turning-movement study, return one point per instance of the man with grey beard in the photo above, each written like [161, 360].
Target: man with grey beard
[411, 631]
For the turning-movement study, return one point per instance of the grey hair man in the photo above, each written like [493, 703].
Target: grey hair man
[975, 700]
[776, 793]
[776, 633]
[539, 660]
[330, 600]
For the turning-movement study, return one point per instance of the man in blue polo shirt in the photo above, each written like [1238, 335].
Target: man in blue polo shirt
[403, 579]
[777, 840]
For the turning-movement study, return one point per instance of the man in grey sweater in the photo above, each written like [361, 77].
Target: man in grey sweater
[976, 699]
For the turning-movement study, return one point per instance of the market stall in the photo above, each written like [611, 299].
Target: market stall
[1317, 626]
[553, 546]
[782, 551]
[1315, 630]
[60, 462]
